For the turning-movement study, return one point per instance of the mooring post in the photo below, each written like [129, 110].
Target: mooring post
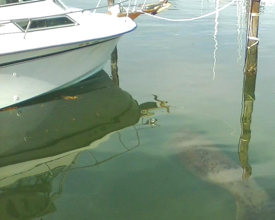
[253, 40]
[114, 67]
[250, 73]
[110, 4]
[114, 56]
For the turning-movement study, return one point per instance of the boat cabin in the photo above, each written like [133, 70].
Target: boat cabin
[52, 17]
[13, 2]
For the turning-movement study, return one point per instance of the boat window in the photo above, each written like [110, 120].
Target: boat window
[12, 2]
[46, 23]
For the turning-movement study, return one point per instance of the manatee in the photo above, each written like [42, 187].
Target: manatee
[208, 162]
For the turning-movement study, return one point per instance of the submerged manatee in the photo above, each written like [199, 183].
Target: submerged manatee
[209, 163]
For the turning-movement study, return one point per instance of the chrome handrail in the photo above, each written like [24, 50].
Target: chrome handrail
[28, 26]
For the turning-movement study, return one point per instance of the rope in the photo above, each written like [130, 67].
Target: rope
[189, 19]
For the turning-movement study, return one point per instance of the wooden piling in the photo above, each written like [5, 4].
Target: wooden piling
[249, 86]
[252, 41]
[114, 67]
[110, 4]
[114, 56]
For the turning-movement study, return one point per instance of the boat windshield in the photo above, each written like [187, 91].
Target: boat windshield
[13, 2]
[45, 23]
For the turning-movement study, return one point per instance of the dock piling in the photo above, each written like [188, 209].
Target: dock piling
[252, 38]
[114, 67]
[250, 73]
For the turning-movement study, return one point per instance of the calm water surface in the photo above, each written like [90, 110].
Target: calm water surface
[162, 146]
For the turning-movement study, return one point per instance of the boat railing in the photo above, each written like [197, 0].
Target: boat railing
[120, 5]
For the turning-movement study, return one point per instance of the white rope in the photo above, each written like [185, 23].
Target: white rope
[255, 14]
[189, 19]
[253, 38]
[249, 47]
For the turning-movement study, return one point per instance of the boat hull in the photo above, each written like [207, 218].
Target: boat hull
[37, 75]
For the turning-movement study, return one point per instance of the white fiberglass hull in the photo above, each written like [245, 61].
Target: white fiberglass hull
[46, 46]
[41, 74]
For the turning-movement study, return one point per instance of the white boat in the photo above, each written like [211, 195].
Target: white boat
[45, 45]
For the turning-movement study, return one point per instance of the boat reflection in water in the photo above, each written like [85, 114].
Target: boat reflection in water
[42, 139]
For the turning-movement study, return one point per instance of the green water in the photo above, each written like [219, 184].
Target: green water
[98, 157]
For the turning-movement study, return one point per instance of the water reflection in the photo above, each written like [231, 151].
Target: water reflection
[65, 120]
[147, 182]
[246, 116]
[215, 38]
[241, 11]
[43, 140]
[250, 73]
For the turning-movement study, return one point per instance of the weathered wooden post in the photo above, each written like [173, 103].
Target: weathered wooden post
[110, 4]
[114, 56]
[114, 67]
[250, 74]
[252, 43]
